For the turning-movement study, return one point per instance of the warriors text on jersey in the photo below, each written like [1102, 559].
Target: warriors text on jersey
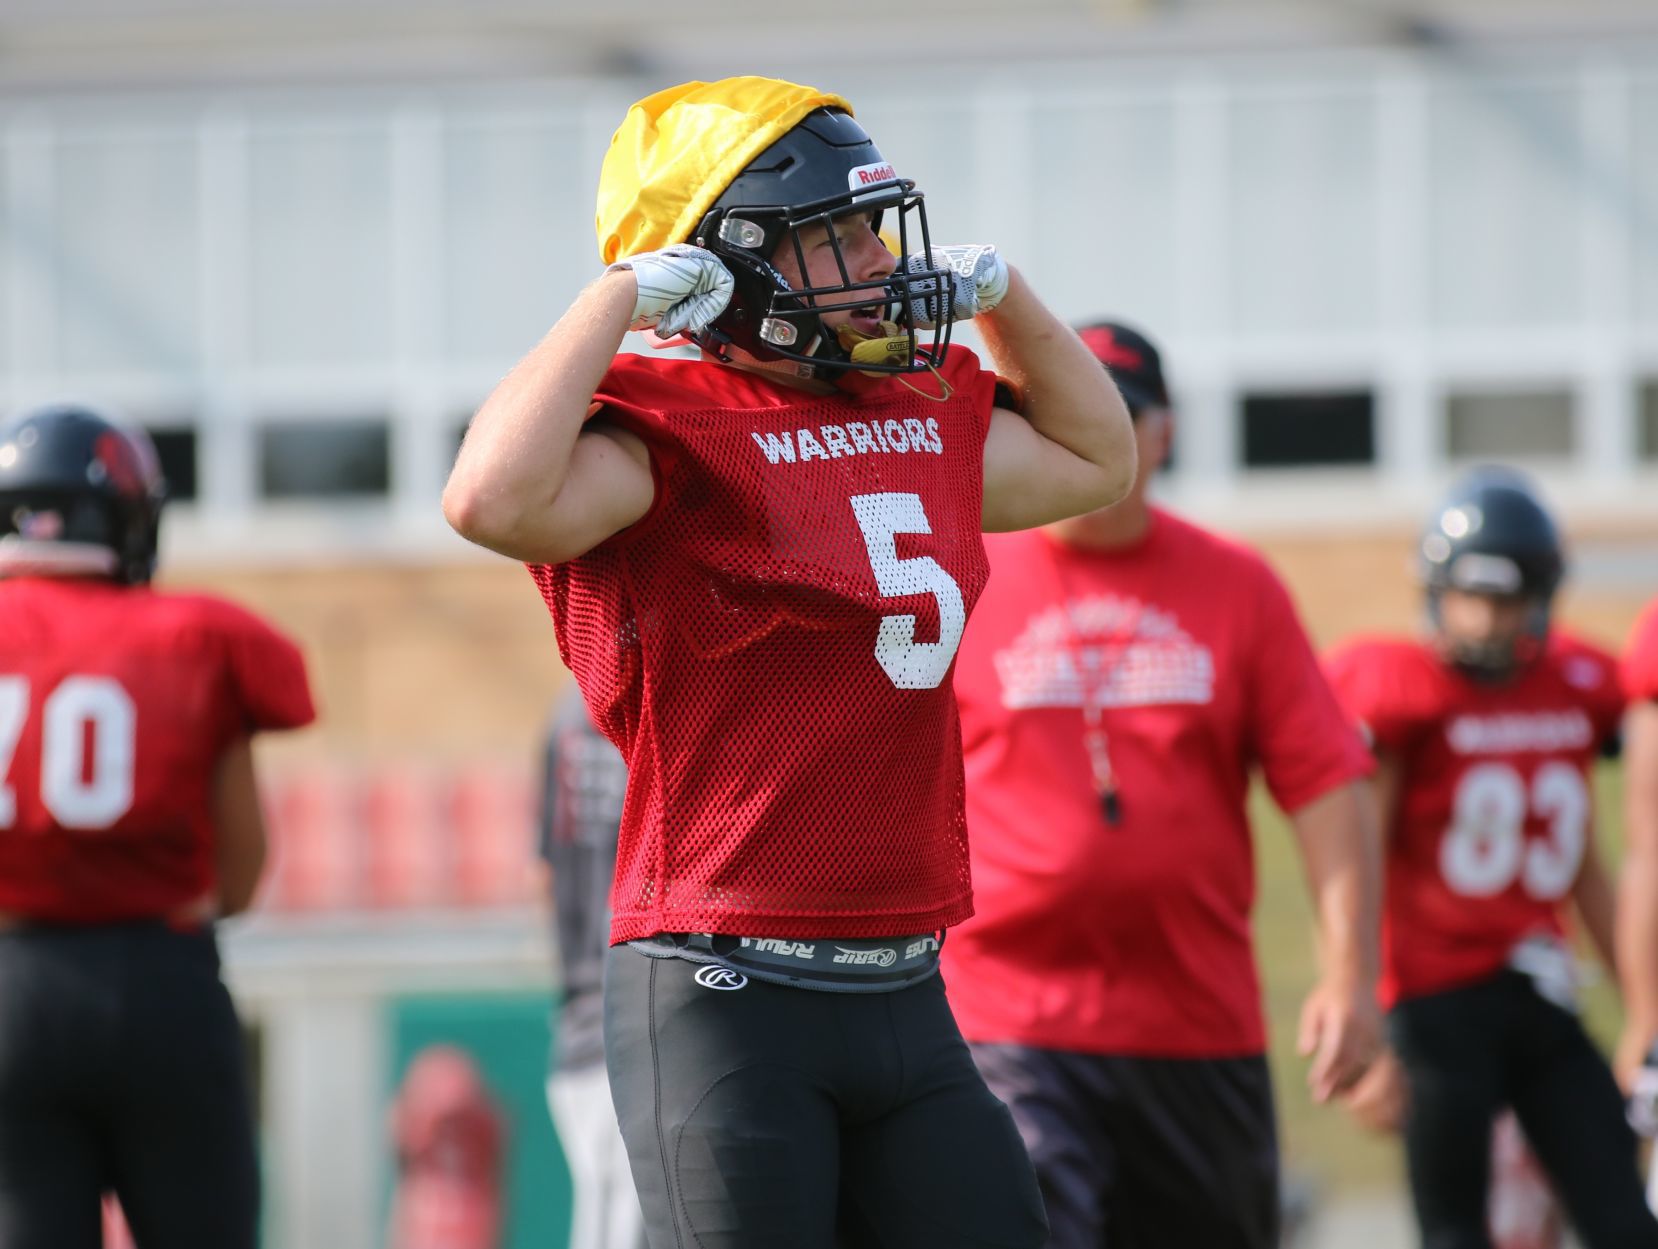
[115, 704]
[1493, 812]
[1130, 938]
[770, 648]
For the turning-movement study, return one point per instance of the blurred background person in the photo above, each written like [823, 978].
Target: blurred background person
[450, 1139]
[129, 823]
[1637, 927]
[1522, 1210]
[1484, 733]
[584, 779]
[1124, 675]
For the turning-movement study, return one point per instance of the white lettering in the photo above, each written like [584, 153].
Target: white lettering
[885, 956]
[862, 439]
[834, 442]
[777, 945]
[775, 447]
[1539, 732]
[834, 437]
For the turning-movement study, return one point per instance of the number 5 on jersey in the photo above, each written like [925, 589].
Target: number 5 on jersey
[910, 665]
[75, 795]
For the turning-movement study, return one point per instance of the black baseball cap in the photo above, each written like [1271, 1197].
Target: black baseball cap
[1133, 361]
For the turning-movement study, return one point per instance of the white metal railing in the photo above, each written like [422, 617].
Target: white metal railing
[1360, 219]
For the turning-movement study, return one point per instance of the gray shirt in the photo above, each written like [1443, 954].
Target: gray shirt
[584, 780]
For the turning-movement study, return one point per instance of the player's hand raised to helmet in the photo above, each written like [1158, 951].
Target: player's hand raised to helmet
[682, 289]
[981, 281]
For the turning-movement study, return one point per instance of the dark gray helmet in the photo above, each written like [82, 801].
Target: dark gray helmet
[80, 494]
[823, 168]
[1492, 535]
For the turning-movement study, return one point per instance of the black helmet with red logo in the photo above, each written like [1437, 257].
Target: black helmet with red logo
[825, 167]
[80, 495]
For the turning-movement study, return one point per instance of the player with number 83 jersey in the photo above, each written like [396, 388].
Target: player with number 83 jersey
[1494, 812]
[1485, 733]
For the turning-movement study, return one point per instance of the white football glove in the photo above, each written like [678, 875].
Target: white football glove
[981, 284]
[682, 289]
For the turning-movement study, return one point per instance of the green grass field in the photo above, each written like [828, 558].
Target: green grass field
[1319, 1142]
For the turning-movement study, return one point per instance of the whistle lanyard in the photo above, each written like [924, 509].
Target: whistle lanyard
[1095, 687]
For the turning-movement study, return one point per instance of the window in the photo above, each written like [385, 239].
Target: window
[1509, 424]
[176, 445]
[325, 459]
[1646, 429]
[1309, 429]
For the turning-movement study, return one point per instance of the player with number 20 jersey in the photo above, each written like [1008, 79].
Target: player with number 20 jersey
[129, 820]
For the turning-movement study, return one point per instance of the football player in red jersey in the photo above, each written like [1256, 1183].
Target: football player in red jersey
[1125, 674]
[760, 563]
[129, 819]
[1637, 936]
[1484, 735]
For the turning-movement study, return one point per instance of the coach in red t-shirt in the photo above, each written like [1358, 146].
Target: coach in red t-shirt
[1637, 914]
[1123, 675]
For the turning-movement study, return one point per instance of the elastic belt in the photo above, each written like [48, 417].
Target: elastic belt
[832, 964]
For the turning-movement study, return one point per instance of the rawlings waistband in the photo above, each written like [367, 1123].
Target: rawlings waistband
[856, 965]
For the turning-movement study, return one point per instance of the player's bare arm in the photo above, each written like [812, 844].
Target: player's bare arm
[1593, 899]
[1341, 1027]
[1637, 910]
[238, 827]
[1072, 450]
[535, 480]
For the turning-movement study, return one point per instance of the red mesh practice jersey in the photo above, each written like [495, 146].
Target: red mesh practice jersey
[1640, 658]
[770, 649]
[115, 705]
[1133, 938]
[1494, 808]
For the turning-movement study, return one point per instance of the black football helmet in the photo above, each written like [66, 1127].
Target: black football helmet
[80, 495]
[1493, 535]
[823, 168]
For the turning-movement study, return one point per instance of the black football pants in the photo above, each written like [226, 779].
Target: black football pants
[774, 1117]
[1470, 1052]
[122, 1068]
[1145, 1153]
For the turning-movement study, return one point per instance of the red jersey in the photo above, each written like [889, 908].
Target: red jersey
[1640, 658]
[1131, 938]
[1493, 811]
[770, 649]
[116, 703]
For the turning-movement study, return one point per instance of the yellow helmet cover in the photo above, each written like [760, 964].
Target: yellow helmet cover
[677, 150]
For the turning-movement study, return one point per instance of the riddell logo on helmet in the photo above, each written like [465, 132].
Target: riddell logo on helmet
[870, 175]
